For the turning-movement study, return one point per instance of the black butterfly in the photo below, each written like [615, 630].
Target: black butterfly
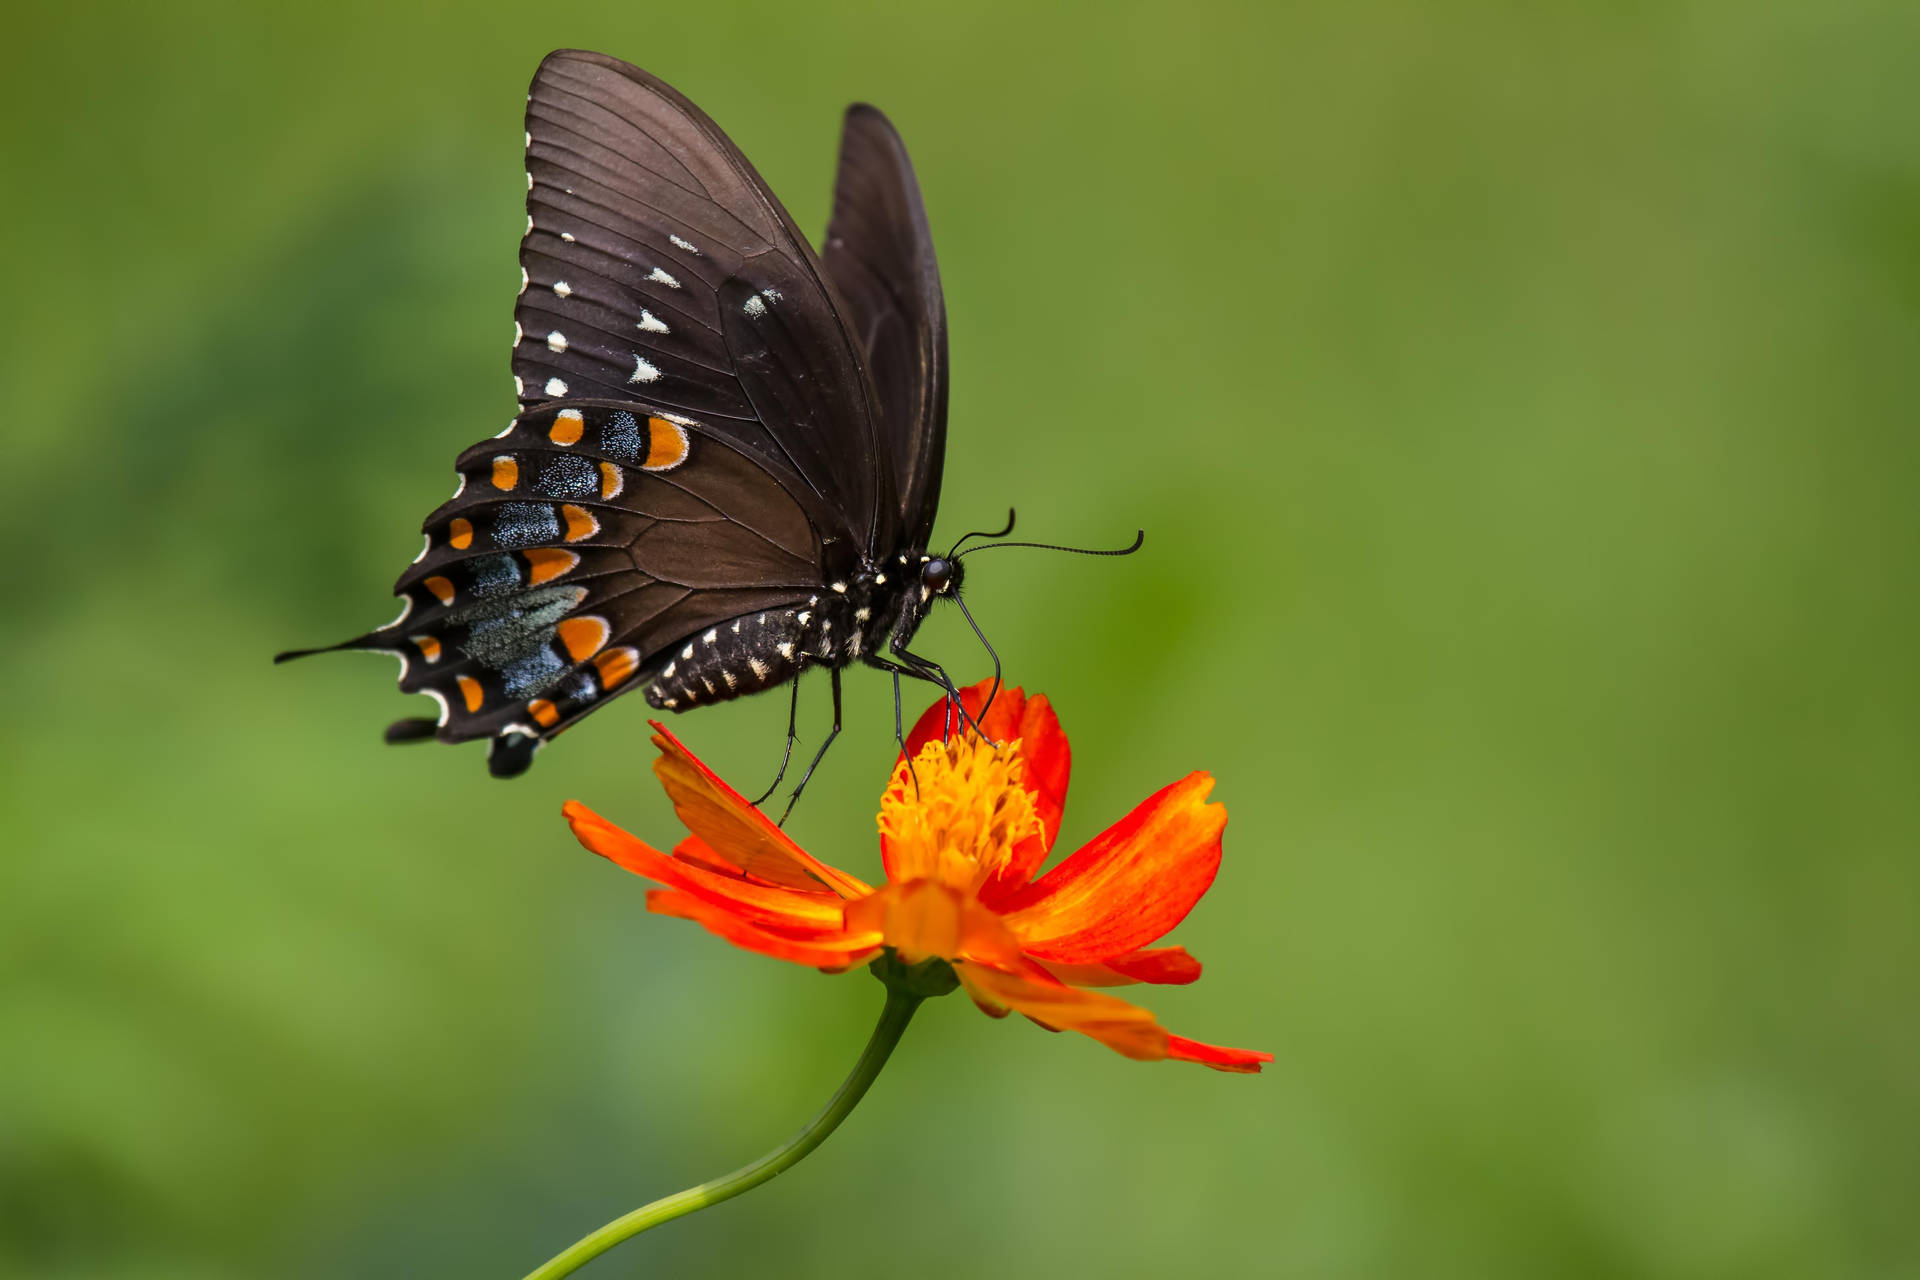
[728, 454]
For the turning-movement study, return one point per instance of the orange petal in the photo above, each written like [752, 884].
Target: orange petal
[1043, 748]
[923, 918]
[761, 904]
[701, 854]
[834, 953]
[1125, 1028]
[1159, 965]
[736, 830]
[1129, 886]
[1242, 1061]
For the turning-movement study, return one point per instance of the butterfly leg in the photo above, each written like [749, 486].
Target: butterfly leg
[786, 757]
[900, 735]
[821, 753]
[934, 673]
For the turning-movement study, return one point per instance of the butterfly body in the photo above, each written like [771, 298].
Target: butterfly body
[858, 618]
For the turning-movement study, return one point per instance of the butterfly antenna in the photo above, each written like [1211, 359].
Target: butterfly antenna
[982, 533]
[988, 645]
[1139, 540]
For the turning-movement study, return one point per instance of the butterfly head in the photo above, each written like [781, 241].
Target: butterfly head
[939, 576]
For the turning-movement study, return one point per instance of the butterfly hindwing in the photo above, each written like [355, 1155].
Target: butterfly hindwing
[583, 546]
[658, 266]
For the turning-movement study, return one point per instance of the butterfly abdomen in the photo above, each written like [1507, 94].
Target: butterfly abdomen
[769, 647]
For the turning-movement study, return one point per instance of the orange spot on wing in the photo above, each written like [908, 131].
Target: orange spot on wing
[441, 588]
[580, 522]
[616, 665]
[549, 563]
[666, 445]
[506, 472]
[460, 533]
[429, 647]
[611, 481]
[544, 713]
[584, 637]
[471, 691]
[567, 427]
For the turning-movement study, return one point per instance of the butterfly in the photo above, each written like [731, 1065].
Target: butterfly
[727, 458]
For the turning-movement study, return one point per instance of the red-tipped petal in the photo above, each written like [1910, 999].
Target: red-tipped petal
[1160, 965]
[817, 911]
[1044, 750]
[1125, 1028]
[1129, 886]
[832, 952]
[736, 830]
[1239, 1061]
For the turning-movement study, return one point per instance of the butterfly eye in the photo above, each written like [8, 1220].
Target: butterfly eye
[936, 575]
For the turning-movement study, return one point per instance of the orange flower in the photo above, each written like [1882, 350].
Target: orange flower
[960, 851]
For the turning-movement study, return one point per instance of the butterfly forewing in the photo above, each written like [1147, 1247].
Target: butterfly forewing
[879, 255]
[659, 267]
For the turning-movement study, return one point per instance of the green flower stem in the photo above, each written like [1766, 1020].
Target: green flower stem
[893, 1022]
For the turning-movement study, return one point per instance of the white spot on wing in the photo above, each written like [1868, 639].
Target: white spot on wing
[649, 323]
[686, 653]
[556, 341]
[562, 288]
[682, 244]
[567, 236]
[462, 486]
[754, 307]
[786, 650]
[441, 698]
[660, 277]
[519, 393]
[712, 636]
[556, 387]
[759, 668]
[406, 607]
[518, 333]
[642, 371]
[523, 279]
[426, 545]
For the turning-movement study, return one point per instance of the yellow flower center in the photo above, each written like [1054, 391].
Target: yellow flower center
[957, 814]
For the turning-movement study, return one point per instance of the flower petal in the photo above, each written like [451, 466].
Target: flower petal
[817, 911]
[1242, 1061]
[1129, 886]
[923, 918]
[1125, 1028]
[1044, 750]
[1167, 965]
[736, 830]
[835, 953]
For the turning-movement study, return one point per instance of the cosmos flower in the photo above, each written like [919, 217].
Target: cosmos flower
[963, 830]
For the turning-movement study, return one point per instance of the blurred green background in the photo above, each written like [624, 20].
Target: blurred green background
[1521, 403]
